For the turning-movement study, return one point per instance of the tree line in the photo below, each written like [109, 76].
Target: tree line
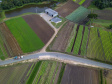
[8, 4]
[101, 4]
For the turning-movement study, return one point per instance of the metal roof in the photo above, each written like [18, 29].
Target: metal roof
[51, 11]
[56, 20]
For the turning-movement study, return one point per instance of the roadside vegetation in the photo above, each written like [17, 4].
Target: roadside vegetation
[24, 35]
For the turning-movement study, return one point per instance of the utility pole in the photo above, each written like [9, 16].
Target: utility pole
[36, 9]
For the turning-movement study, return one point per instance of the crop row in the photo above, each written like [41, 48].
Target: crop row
[3, 52]
[84, 42]
[71, 40]
[107, 44]
[95, 49]
[33, 73]
[41, 71]
[78, 40]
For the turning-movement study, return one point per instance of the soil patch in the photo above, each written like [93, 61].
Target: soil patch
[80, 75]
[104, 14]
[67, 8]
[40, 27]
[62, 38]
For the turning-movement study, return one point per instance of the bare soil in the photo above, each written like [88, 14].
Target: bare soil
[105, 14]
[67, 8]
[87, 3]
[80, 75]
[40, 27]
[12, 47]
[62, 38]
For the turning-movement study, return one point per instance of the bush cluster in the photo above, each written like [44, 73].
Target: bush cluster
[101, 4]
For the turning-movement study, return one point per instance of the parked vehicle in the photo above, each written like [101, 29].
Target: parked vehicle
[18, 57]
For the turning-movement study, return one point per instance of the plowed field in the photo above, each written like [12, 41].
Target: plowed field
[67, 8]
[11, 45]
[87, 3]
[80, 75]
[63, 36]
[40, 27]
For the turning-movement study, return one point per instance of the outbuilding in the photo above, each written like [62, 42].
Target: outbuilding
[56, 20]
[51, 12]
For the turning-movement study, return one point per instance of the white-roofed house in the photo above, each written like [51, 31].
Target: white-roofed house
[51, 12]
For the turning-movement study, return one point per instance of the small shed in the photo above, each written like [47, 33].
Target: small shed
[56, 20]
[51, 12]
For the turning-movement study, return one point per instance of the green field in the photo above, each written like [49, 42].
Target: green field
[106, 38]
[78, 15]
[99, 47]
[95, 49]
[24, 35]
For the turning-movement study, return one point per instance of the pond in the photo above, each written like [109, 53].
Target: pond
[29, 9]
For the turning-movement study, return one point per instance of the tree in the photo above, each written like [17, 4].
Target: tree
[92, 16]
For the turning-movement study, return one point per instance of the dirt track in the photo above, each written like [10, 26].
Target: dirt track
[61, 41]
[87, 3]
[80, 75]
[12, 48]
[67, 8]
[40, 27]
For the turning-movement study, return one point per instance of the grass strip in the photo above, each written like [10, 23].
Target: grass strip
[34, 72]
[61, 74]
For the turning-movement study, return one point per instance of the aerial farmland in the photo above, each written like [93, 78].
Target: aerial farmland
[55, 42]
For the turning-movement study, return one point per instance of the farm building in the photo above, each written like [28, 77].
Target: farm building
[56, 20]
[51, 12]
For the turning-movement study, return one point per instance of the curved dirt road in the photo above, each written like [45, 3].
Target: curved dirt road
[59, 56]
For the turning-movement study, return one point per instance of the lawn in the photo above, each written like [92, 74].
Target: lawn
[78, 15]
[25, 36]
[78, 40]
[59, 24]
